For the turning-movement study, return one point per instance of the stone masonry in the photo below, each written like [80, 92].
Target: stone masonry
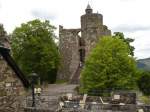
[75, 48]
[12, 89]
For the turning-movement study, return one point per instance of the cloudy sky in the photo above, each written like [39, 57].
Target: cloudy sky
[131, 17]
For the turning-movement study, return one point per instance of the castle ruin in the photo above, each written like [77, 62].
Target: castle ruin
[75, 48]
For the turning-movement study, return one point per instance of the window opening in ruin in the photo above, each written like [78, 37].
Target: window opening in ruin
[81, 50]
[79, 34]
[82, 55]
[81, 42]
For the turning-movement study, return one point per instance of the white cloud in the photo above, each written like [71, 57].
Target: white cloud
[131, 28]
[43, 14]
[129, 16]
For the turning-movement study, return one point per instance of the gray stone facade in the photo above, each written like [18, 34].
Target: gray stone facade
[74, 48]
[12, 82]
[11, 89]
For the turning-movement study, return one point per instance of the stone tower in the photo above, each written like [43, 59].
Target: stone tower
[92, 28]
[74, 48]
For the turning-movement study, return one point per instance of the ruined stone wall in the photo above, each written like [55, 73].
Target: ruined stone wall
[11, 89]
[68, 47]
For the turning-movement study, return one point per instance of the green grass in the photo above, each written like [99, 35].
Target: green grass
[145, 99]
[61, 82]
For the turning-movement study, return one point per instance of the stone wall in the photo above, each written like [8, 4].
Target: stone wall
[145, 108]
[68, 47]
[37, 110]
[11, 89]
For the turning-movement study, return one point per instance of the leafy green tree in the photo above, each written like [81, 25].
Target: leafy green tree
[34, 49]
[128, 41]
[109, 66]
[144, 82]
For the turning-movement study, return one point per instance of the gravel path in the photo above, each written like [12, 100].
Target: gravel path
[57, 89]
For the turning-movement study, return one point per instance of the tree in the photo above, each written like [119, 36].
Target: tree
[34, 49]
[109, 66]
[128, 41]
[144, 82]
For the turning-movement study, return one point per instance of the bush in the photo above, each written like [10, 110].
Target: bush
[144, 83]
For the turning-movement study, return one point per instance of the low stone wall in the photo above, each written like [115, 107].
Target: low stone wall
[31, 109]
[146, 108]
[96, 108]
[126, 97]
[112, 108]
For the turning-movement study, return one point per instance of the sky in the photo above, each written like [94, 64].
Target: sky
[131, 17]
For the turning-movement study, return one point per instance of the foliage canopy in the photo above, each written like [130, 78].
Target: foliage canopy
[109, 66]
[144, 82]
[34, 49]
[126, 40]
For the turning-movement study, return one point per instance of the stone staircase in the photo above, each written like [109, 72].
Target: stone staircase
[76, 77]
